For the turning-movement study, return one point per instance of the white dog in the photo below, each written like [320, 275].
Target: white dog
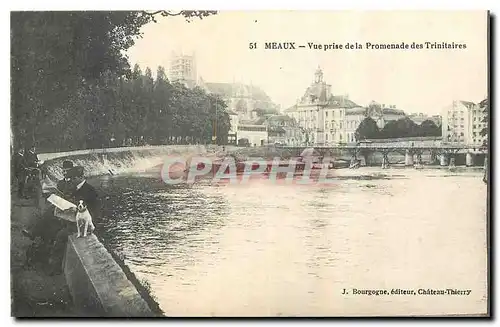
[83, 216]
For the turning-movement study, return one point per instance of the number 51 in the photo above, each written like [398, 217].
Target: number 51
[252, 45]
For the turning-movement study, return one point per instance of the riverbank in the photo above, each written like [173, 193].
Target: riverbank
[34, 293]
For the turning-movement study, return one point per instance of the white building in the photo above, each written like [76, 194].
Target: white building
[353, 118]
[255, 134]
[333, 119]
[462, 123]
[284, 129]
[183, 69]
[418, 118]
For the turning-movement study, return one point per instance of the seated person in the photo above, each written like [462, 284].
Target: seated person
[63, 185]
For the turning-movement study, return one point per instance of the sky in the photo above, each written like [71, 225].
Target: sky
[415, 80]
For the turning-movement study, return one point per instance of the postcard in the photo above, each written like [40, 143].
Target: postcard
[252, 163]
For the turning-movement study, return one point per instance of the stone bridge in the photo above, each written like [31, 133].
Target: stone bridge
[413, 150]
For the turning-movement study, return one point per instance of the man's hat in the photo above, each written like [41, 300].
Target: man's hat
[67, 164]
[75, 172]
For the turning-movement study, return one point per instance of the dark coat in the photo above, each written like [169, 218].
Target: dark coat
[31, 159]
[19, 164]
[89, 195]
[66, 188]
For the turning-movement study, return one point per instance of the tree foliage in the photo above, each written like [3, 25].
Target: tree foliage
[62, 60]
[429, 128]
[136, 111]
[485, 107]
[367, 129]
[403, 127]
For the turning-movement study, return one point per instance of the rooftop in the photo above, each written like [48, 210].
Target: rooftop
[468, 103]
[341, 101]
[238, 90]
[393, 111]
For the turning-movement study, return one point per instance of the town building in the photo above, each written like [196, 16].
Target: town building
[463, 122]
[334, 119]
[241, 98]
[182, 69]
[383, 113]
[419, 118]
[249, 105]
[255, 135]
[284, 130]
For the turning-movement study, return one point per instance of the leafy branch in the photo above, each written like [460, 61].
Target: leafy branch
[188, 14]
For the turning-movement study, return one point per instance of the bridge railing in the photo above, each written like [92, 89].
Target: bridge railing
[401, 145]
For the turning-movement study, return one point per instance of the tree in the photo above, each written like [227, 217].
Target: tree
[56, 56]
[403, 127]
[367, 129]
[485, 107]
[429, 128]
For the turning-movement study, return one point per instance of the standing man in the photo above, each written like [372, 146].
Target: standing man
[32, 158]
[20, 165]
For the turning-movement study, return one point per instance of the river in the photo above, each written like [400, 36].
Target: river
[262, 249]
